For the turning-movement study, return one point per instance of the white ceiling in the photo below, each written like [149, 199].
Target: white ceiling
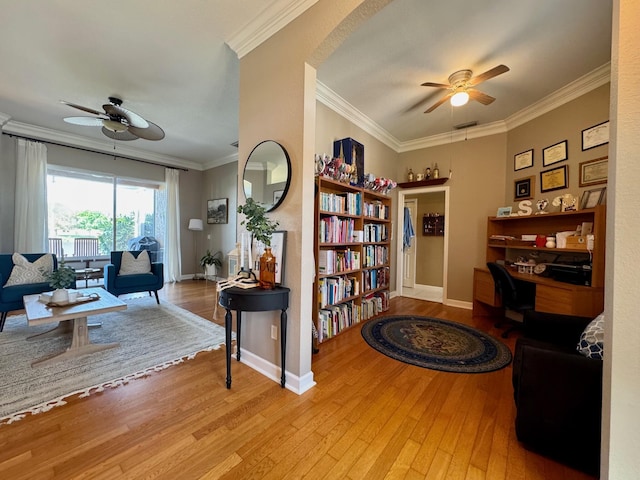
[171, 62]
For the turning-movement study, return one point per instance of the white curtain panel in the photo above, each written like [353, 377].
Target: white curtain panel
[172, 259]
[30, 231]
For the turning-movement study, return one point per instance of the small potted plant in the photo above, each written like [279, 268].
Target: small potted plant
[211, 262]
[61, 279]
[261, 228]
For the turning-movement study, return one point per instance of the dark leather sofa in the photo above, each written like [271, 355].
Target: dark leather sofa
[558, 392]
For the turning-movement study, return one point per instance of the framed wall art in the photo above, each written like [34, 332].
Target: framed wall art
[523, 160]
[594, 171]
[595, 136]
[278, 246]
[217, 210]
[504, 212]
[554, 154]
[523, 188]
[554, 179]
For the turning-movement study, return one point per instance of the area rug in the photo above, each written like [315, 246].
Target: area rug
[436, 344]
[152, 337]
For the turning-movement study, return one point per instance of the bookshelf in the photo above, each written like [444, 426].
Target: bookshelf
[352, 249]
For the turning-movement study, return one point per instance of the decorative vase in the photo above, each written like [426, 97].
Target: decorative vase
[551, 242]
[60, 295]
[267, 269]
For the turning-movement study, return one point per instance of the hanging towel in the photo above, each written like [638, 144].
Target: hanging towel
[408, 229]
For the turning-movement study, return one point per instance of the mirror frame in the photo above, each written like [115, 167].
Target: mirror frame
[288, 183]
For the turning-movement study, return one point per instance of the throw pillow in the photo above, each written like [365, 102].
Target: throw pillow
[591, 342]
[131, 265]
[24, 272]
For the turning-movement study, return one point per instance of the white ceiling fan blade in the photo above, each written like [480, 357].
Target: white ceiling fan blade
[478, 96]
[152, 132]
[84, 121]
[483, 77]
[439, 102]
[436, 85]
[133, 118]
[124, 136]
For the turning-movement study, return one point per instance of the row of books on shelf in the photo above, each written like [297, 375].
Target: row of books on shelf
[341, 202]
[376, 232]
[376, 278]
[335, 289]
[336, 261]
[336, 230]
[376, 209]
[374, 255]
[334, 319]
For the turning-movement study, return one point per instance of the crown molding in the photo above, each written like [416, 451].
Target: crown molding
[4, 118]
[221, 161]
[592, 80]
[272, 19]
[339, 105]
[71, 140]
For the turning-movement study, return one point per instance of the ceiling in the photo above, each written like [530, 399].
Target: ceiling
[172, 63]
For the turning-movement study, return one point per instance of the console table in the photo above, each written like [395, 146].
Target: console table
[254, 300]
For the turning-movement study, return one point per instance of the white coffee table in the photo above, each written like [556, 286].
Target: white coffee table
[71, 318]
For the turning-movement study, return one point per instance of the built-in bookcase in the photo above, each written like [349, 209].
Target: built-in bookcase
[352, 248]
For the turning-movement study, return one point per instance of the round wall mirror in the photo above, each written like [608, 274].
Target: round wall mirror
[267, 174]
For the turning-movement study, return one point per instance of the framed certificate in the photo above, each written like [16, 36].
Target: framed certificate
[554, 154]
[594, 172]
[523, 160]
[554, 179]
[595, 136]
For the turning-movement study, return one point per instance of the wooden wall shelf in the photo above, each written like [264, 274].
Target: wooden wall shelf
[424, 183]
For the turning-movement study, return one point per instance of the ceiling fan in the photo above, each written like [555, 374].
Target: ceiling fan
[117, 122]
[461, 89]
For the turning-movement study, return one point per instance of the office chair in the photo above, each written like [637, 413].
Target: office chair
[517, 297]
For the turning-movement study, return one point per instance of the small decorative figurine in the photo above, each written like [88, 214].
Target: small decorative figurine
[410, 176]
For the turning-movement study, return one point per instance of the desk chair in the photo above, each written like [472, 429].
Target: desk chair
[517, 297]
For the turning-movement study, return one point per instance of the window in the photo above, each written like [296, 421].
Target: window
[82, 208]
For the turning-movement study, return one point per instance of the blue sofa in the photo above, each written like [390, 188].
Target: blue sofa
[142, 282]
[11, 297]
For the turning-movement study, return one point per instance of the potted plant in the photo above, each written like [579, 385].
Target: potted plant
[60, 280]
[211, 262]
[261, 228]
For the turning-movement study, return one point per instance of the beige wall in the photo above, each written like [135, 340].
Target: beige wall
[563, 123]
[475, 192]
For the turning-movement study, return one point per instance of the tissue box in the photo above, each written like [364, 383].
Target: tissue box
[577, 242]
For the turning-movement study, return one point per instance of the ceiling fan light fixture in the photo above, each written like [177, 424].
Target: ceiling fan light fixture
[459, 98]
[114, 126]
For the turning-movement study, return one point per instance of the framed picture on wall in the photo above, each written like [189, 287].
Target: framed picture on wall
[523, 160]
[554, 154]
[595, 136]
[217, 210]
[594, 172]
[523, 188]
[554, 179]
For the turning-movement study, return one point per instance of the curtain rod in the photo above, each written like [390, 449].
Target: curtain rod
[95, 151]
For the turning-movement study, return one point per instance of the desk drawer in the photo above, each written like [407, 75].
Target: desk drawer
[484, 289]
[583, 301]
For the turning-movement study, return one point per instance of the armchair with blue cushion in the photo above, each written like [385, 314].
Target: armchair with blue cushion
[11, 296]
[118, 284]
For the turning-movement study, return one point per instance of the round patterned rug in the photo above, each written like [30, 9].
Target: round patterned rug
[436, 344]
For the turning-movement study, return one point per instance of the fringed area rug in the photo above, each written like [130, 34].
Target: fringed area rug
[152, 337]
[436, 344]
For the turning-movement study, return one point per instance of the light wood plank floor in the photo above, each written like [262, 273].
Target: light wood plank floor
[368, 417]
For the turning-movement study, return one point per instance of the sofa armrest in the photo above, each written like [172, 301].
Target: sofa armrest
[157, 269]
[554, 328]
[109, 276]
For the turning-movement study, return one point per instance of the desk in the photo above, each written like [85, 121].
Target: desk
[254, 300]
[551, 296]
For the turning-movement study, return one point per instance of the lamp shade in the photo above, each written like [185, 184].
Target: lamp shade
[195, 224]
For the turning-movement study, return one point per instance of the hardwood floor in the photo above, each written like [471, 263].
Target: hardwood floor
[368, 417]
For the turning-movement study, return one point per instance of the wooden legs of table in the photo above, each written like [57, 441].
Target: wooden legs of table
[80, 343]
[227, 329]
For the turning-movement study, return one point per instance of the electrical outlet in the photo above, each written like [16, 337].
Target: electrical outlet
[274, 332]
[208, 236]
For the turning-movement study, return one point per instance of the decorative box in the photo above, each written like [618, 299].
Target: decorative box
[353, 153]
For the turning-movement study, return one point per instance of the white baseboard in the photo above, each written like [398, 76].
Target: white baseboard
[459, 304]
[294, 383]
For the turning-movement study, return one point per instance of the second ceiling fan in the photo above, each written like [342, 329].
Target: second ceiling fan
[461, 85]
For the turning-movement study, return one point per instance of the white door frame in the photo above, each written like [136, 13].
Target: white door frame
[402, 193]
[412, 249]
